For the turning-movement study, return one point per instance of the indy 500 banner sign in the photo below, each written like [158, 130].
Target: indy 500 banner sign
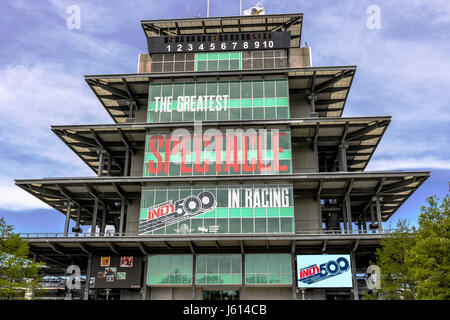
[266, 208]
[324, 271]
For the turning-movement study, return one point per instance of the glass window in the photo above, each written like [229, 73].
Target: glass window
[169, 269]
[269, 89]
[235, 90]
[200, 89]
[268, 268]
[220, 269]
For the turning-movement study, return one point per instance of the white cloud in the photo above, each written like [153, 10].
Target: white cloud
[15, 199]
[408, 163]
[32, 99]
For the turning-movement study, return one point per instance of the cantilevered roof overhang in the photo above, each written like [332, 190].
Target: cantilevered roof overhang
[330, 85]
[393, 187]
[62, 251]
[360, 135]
[234, 24]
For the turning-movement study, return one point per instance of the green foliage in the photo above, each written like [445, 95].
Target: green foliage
[415, 263]
[428, 260]
[397, 282]
[18, 274]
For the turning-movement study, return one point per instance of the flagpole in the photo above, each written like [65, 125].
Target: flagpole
[207, 9]
[240, 7]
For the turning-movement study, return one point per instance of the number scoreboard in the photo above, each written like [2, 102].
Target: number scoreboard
[219, 42]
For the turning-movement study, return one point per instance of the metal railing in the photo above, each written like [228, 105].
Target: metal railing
[133, 234]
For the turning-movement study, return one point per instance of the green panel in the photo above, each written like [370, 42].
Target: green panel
[268, 269]
[242, 94]
[221, 217]
[169, 269]
[220, 269]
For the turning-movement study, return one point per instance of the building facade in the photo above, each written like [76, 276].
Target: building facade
[228, 173]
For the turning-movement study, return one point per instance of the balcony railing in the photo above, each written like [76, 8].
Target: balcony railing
[129, 234]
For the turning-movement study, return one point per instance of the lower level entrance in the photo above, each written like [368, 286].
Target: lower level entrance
[220, 294]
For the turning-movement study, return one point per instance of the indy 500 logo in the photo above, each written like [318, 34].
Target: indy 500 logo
[315, 273]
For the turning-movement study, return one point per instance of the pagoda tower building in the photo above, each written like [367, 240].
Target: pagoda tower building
[228, 172]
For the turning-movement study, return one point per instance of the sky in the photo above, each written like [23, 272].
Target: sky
[403, 70]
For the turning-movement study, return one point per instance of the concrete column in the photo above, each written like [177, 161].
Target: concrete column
[67, 222]
[144, 285]
[194, 273]
[372, 215]
[294, 277]
[122, 216]
[344, 216]
[88, 276]
[242, 294]
[316, 156]
[100, 163]
[364, 222]
[103, 223]
[355, 282]
[342, 158]
[312, 103]
[380, 226]
[108, 166]
[94, 217]
[127, 162]
[319, 213]
[348, 210]
[77, 225]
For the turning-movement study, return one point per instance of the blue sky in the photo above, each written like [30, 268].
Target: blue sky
[403, 71]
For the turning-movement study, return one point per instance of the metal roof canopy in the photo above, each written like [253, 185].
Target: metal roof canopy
[63, 251]
[394, 187]
[232, 24]
[330, 85]
[361, 135]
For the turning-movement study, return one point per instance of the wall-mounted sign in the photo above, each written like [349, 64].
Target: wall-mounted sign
[324, 271]
[218, 100]
[219, 42]
[217, 209]
[218, 152]
[116, 272]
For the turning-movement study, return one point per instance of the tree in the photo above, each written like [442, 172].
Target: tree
[414, 263]
[428, 259]
[397, 281]
[18, 274]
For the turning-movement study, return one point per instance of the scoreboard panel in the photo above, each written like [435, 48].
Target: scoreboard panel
[219, 42]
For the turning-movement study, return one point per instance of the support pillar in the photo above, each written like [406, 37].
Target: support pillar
[354, 281]
[194, 273]
[316, 156]
[108, 166]
[312, 103]
[342, 158]
[344, 216]
[372, 215]
[103, 223]
[319, 213]
[364, 222]
[348, 210]
[242, 294]
[88, 277]
[144, 285]
[380, 226]
[94, 217]
[77, 223]
[294, 277]
[122, 216]
[67, 222]
[127, 162]
[100, 163]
